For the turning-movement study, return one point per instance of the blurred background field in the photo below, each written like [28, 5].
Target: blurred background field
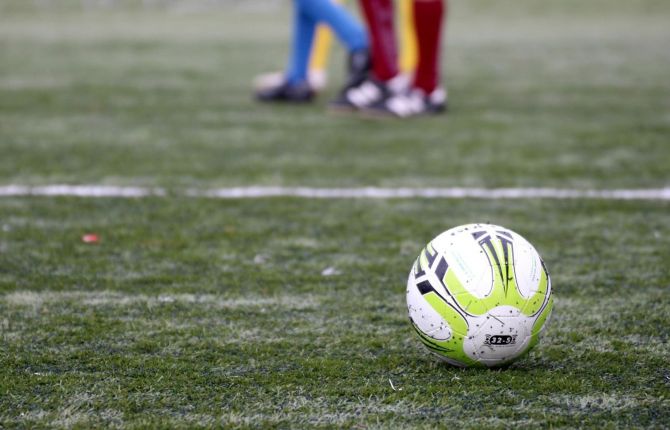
[284, 312]
[543, 94]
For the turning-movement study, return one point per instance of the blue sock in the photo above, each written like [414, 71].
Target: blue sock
[307, 13]
[301, 47]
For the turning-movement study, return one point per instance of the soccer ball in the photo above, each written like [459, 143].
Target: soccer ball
[479, 295]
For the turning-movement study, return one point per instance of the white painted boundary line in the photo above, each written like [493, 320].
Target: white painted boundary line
[79, 191]
[256, 192]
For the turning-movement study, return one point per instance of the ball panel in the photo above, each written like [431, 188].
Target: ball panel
[466, 259]
[425, 318]
[527, 267]
[503, 334]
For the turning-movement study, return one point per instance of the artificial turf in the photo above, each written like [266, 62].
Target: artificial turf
[286, 312]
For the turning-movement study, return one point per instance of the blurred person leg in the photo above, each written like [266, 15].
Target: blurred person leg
[317, 75]
[379, 17]
[293, 86]
[428, 19]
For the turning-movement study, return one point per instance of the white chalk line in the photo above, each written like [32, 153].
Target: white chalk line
[258, 192]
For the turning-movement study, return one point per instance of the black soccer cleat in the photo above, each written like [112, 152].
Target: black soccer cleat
[413, 103]
[368, 93]
[354, 98]
[359, 66]
[286, 92]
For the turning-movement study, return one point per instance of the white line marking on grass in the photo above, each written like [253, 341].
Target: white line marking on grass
[79, 191]
[258, 192]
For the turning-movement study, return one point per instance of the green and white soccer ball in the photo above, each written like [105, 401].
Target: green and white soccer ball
[479, 295]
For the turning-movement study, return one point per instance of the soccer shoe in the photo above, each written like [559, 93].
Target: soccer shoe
[369, 92]
[436, 102]
[286, 92]
[414, 103]
[359, 65]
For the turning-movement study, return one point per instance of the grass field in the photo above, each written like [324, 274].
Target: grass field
[289, 312]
